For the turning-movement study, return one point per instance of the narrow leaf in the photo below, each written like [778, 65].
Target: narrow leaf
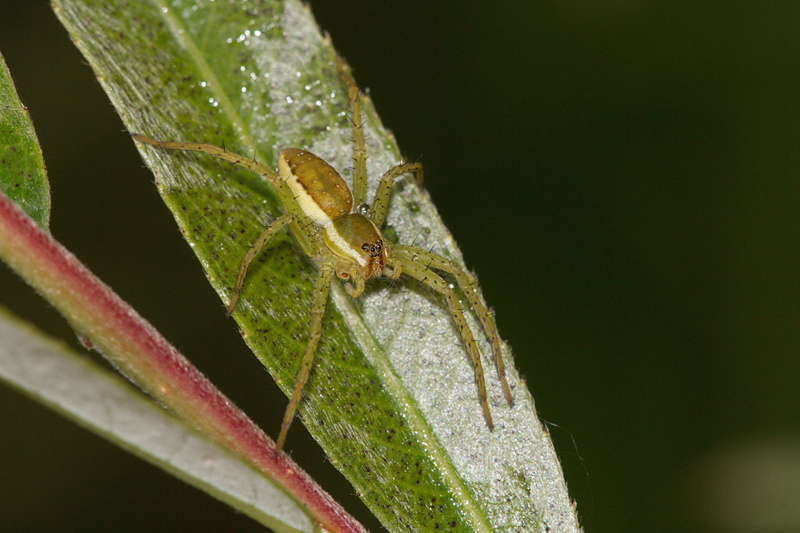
[105, 404]
[126, 340]
[22, 174]
[392, 397]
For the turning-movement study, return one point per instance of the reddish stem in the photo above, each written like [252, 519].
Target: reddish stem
[146, 358]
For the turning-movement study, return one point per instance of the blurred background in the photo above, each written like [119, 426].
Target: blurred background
[624, 179]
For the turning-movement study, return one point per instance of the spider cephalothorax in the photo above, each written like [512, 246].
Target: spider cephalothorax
[357, 240]
[348, 243]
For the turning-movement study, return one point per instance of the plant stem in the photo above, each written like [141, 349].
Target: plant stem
[131, 344]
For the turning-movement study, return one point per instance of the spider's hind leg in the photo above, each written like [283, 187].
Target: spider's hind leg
[381, 202]
[216, 151]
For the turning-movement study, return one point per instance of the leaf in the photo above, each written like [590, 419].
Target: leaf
[109, 406]
[83, 392]
[22, 174]
[106, 323]
[392, 398]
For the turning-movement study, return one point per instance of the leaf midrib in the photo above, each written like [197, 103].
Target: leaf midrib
[182, 35]
[344, 304]
[392, 383]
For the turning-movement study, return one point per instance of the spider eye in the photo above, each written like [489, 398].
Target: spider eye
[373, 250]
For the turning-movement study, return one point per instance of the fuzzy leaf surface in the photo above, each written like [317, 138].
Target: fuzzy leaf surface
[392, 397]
[22, 174]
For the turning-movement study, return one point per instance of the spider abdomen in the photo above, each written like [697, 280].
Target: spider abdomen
[319, 190]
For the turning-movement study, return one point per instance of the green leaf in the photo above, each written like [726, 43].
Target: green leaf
[392, 398]
[22, 173]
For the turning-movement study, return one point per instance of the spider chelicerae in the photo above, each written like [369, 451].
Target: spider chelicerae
[333, 225]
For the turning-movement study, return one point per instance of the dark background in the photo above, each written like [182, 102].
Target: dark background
[623, 178]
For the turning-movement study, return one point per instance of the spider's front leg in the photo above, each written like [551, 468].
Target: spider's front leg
[405, 256]
[432, 260]
[359, 147]
[381, 202]
[320, 299]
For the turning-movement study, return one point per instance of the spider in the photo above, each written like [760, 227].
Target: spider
[335, 226]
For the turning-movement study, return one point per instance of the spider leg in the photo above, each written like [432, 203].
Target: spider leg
[466, 284]
[301, 227]
[422, 271]
[216, 151]
[251, 254]
[321, 288]
[381, 202]
[359, 148]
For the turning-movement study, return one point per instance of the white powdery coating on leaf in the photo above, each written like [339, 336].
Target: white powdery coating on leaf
[515, 463]
[505, 469]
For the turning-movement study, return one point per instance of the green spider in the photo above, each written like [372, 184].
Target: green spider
[331, 225]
